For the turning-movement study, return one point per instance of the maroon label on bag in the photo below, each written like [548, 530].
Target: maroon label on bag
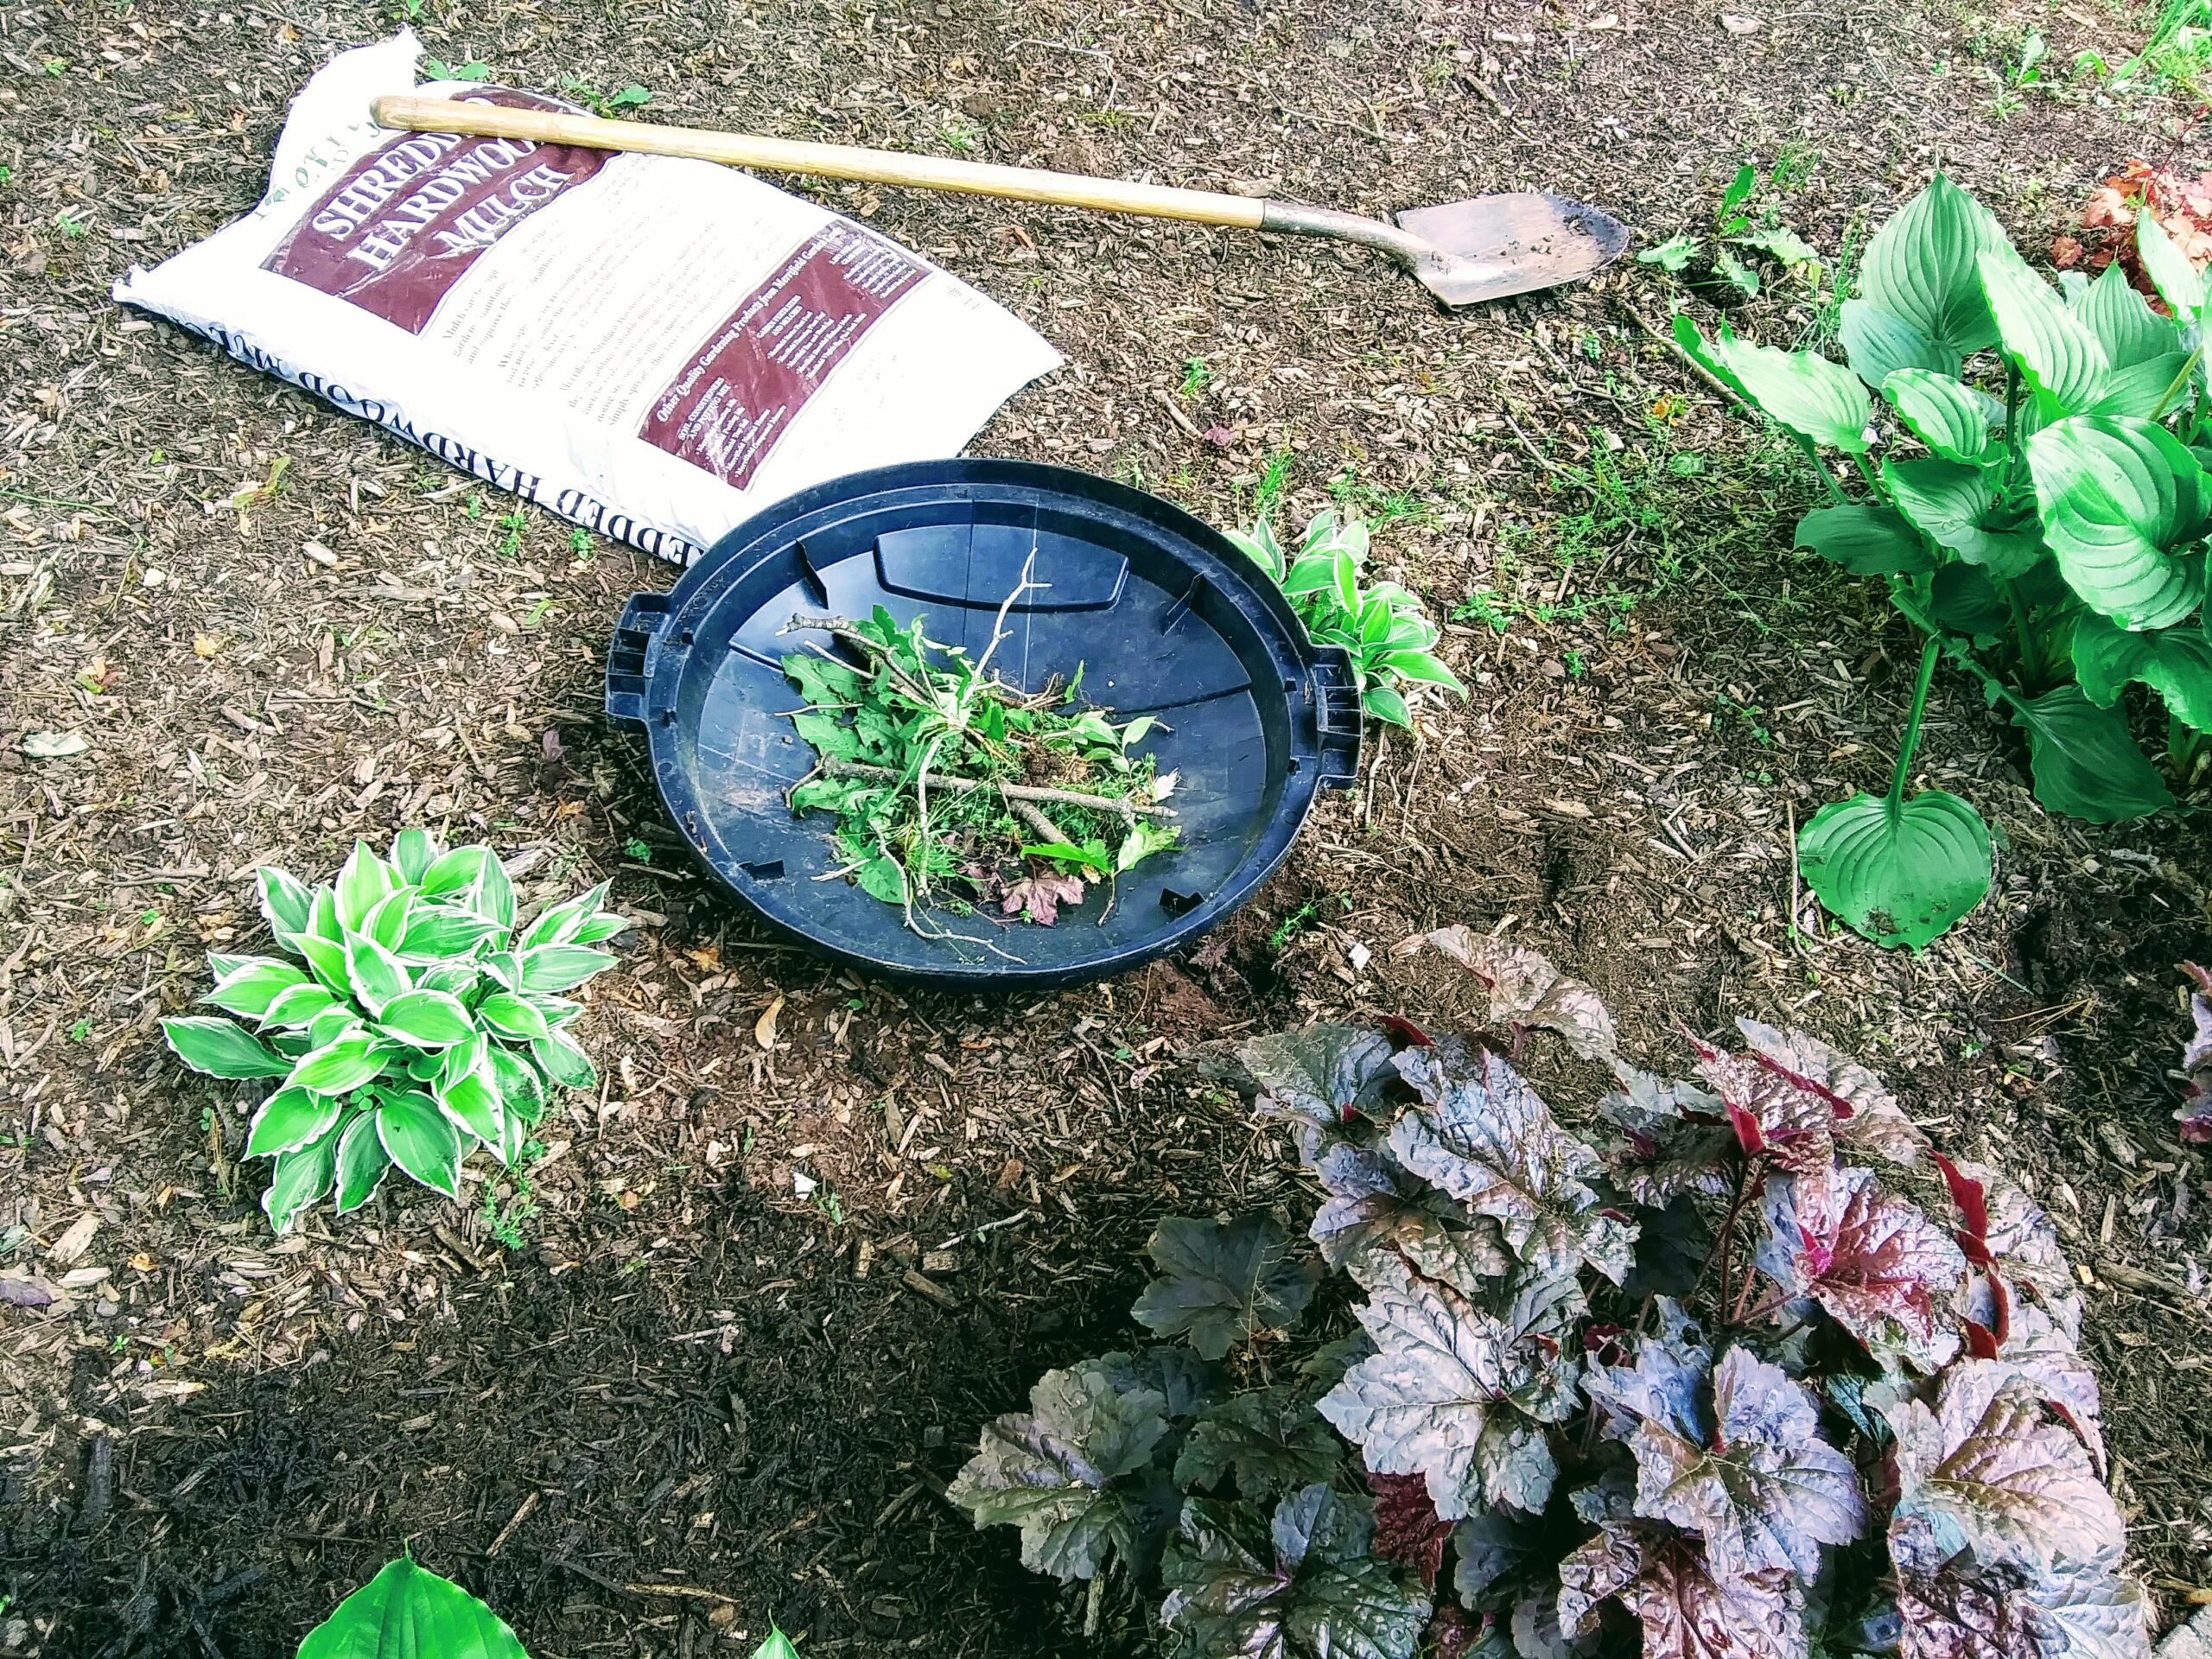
[732, 402]
[407, 221]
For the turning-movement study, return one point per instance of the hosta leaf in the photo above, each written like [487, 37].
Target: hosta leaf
[1867, 541]
[1321, 1078]
[1271, 1438]
[2085, 761]
[362, 1162]
[2175, 663]
[1802, 390]
[322, 915]
[1375, 1206]
[559, 966]
[422, 1140]
[1307, 1587]
[1885, 1272]
[1526, 990]
[375, 974]
[289, 1119]
[1223, 1284]
[283, 901]
[299, 1179]
[1923, 268]
[522, 1091]
[510, 1015]
[426, 1020]
[2170, 270]
[1897, 875]
[1957, 1609]
[386, 923]
[472, 1101]
[454, 872]
[2056, 355]
[339, 1019]
[249, 991]
[341, 1066]
[2115, 494]
[1962, 599]
[297, 1007]
[326, 960]
[363, 881]
[2123, 322]
[1488, 1141]
[406, 1612]
[1441, 1374]
[1878, 345]
[1737, 1459]
[562, 1061]
[1952, 506]
[1985, 1471]
[221, 1048]
[413, 852]
[1690, 1612]
[440, 932]
[2146, 390]
[1074, 1472]
[1940, 412]
[559, 923]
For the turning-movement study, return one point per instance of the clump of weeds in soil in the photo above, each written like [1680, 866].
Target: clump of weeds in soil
[955, 789]
[2038, 512]
[1762, 1376]
[1748, 222]
[408, 1020]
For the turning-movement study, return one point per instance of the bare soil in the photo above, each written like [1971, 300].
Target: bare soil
[695, 1400]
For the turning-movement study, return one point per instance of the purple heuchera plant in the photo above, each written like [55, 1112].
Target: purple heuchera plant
[1728, 1388]
[2196, 1115]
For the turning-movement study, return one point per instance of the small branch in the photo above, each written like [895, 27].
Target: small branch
[836, 768]
[1037, 821]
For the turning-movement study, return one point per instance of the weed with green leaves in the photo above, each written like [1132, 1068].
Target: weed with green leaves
[953, 789]
[1746, 223]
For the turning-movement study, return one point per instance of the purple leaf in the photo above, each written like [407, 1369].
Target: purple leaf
[1670, 1385]
[1222, 1284]
[1526, 990]
[1866, 1112]
[1596, 1572]
[1985, 1471]
[1492, 1143]
[1041, 893]
[1448, 1391]
[1688, 1611]
[1304, 1587]
[1376, 1206]
[1073, 1472]
[1407, 1529]
[1887, 1273]
[1676, 1138]
[2023, 1337]
[1321, 1078]
[1491, 1546]
[1748, 1472]
[2003, 1230]
[1772, 1113]
[1956, 1608]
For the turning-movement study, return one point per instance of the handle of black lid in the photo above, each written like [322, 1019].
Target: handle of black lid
[631, 657]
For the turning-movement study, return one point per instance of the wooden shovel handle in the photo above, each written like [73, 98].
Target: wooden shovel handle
[824, 160]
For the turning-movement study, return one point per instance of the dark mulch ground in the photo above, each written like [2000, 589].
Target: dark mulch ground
[695, 1401]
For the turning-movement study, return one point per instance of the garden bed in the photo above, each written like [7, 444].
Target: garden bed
[695, 1398]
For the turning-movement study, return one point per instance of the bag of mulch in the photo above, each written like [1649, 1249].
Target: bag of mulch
[650, 347]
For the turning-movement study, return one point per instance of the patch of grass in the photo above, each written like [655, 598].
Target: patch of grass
[960, 135]
[1381, 507]
[2178, 54]
[1196, 375]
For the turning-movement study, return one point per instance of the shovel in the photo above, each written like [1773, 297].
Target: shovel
[1463, 252]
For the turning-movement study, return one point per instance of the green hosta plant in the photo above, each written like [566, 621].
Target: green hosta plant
[408, 1019]
[2032, 462]
[1391, 641]
[408, 1612]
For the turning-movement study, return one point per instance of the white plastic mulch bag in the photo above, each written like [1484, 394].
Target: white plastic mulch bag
[650, 347]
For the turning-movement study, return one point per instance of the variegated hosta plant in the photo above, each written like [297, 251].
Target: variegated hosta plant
[408, 1018]
[2032, 463]
[1765, 1379]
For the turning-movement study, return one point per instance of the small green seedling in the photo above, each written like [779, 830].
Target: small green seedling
[1745, 224]
[605, 104]
[439, 69]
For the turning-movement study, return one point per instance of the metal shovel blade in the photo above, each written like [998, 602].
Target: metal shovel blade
[1496, 246]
